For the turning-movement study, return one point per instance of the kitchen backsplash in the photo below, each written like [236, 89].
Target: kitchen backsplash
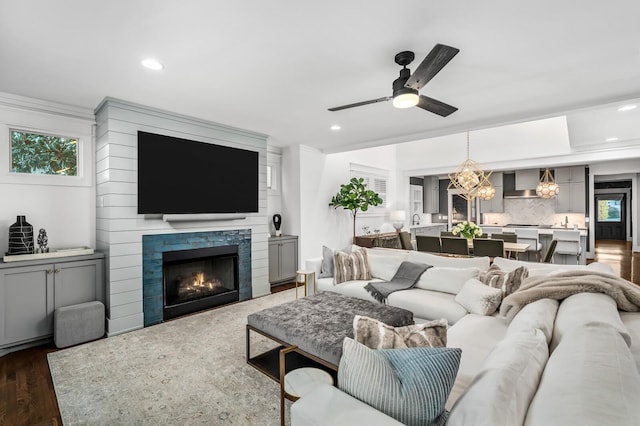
[532, 211]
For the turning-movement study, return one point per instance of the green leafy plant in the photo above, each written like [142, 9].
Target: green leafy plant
[355, 196]
[43, 154]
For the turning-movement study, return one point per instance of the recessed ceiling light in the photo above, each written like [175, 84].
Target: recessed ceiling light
[335, 127]
[152, 64]
[611, 139]
[627, 108]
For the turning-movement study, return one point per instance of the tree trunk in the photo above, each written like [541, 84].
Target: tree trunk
[354, 226]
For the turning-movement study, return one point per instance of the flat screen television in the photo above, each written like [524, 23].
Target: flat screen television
[180, 176]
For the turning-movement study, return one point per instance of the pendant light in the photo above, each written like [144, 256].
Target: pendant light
[469, 179]
[547, 188]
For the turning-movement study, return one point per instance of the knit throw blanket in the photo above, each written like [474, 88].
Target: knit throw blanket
[562, 285]
[406, 277]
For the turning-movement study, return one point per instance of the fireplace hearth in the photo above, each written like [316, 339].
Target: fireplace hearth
[199, 279]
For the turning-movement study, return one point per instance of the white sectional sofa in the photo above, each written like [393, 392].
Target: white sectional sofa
[574, 362]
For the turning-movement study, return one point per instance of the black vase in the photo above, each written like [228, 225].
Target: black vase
[20, 237]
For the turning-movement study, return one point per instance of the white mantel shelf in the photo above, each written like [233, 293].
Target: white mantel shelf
[201, 217]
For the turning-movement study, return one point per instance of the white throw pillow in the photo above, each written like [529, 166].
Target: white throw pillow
[478, 298]
[446, 280]
[384, 266]
[502, 390]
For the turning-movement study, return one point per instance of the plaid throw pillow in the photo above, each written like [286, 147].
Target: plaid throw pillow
[351, 266]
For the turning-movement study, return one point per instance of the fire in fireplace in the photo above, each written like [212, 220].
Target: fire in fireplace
[198, 279]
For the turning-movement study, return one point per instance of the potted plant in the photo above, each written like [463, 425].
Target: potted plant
[468, 230]
[355, 196]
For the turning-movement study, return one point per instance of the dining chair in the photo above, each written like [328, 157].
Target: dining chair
[453, 245]
[508, 238]
[488, 247]
[405, 240]
[531, 237]
[428, 243]
[447, 234]
[568, 243]
[548, 257]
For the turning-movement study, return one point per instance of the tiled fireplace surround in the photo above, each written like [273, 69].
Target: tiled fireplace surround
[154, 245]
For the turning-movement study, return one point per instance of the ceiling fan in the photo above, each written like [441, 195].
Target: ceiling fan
[406, 87]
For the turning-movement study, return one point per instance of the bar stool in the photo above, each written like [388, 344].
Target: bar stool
[531, 237]
[568, 243]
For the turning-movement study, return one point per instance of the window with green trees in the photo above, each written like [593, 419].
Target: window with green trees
[609, 210]
[35, 153]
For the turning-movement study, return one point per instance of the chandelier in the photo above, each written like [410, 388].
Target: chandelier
[470, 180]
[547, 188]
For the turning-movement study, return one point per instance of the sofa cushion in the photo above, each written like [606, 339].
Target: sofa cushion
[353, 288]
[326, 405]
[478, 298]
[481, 263]
[590, 379]
[327, 265]
[502, 390]
[411, 385]
[351, 266]
[375, 334]
[583, 308]
[385, 265]
[510, 264]
[631, 321]
[476, 335]
[427, 304]
[508, 282]
[540, 314]
[446, 279]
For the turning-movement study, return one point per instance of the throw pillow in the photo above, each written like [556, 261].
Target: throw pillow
[478, 298]
[351, 266]
[508, 282]
[377, 335]
[505, 385]
[326, 268]
[410, 385]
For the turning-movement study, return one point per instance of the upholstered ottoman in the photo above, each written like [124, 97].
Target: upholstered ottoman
[318, 324]
[78, 323]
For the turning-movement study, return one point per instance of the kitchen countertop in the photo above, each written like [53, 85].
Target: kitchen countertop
[429, 225]
[544, 230]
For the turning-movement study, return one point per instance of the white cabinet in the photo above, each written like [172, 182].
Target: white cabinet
[527, 179]
[571, 198]
[416, 197]
[283, 258]
[496, 204]
[431, 194]
[31, 290]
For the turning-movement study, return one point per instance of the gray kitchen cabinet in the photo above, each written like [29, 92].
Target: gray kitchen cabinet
[496, 204]
[527, 179]
[416, 199]
[431, 194]
[283, 258]
[571, 198]
[30, 291]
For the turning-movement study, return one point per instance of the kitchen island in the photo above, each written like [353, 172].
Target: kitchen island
[545, 236]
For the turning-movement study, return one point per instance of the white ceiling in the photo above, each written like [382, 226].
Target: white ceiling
[276, 66]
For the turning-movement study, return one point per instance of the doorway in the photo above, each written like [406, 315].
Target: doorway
[610, 211]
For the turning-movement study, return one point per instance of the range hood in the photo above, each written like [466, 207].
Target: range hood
[510, 191]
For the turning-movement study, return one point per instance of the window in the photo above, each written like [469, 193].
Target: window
[609, 210]
[42, 154]
[376, 180]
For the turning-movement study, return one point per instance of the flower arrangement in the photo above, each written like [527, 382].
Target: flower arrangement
[467, 229]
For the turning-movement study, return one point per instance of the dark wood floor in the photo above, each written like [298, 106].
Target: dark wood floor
[26, 390]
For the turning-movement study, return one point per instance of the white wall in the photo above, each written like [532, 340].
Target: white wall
[274, 196]
[63, 205]
[320, 177]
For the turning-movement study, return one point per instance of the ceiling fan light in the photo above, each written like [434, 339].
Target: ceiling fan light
[405, 98]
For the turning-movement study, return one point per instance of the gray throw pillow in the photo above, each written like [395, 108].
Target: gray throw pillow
[411, 385]
[326, 269]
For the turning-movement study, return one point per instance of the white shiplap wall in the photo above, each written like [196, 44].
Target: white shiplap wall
[119, 226]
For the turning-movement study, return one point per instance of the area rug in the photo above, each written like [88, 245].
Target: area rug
[188, 371]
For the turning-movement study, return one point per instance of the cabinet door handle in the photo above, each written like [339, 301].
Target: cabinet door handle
[49, 271]
[57, 270]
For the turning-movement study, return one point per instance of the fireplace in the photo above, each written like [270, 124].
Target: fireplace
[198, 279]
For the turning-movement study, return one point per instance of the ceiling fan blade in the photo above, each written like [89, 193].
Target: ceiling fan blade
[435, 106]
[357, 104]
[439, 56]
